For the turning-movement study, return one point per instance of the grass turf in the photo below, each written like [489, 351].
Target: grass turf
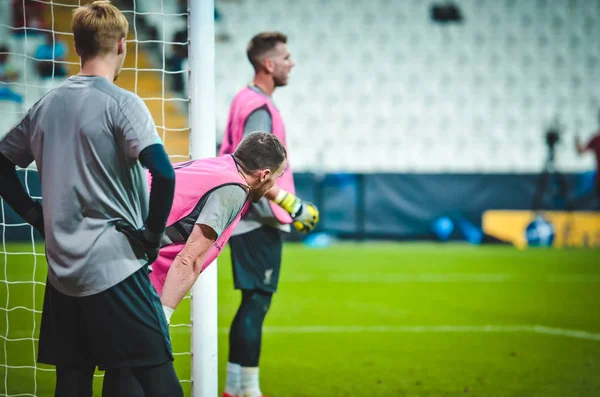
[364, 319]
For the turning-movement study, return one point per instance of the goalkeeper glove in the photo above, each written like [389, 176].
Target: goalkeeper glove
[304, 214]
[307, 218]
[141, 240]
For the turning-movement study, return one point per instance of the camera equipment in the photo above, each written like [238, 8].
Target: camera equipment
[550, 176]
[552, 138]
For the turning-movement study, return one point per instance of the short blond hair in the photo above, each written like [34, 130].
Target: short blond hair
[97, 27]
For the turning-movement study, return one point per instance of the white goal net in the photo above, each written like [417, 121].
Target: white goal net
[37, 54]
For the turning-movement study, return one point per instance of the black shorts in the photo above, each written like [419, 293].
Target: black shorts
[256, 259]
[121, 327]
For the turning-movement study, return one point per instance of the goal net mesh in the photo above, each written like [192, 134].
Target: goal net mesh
[37, 45]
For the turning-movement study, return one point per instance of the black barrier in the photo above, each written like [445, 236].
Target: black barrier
[394, 206]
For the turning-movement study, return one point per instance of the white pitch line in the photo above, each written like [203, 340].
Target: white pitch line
[422, 278]
[398, 278]
[418, 329]
[573, 278]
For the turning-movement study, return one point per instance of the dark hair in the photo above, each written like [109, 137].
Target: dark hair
[258, 151]
[4, 48]
[262, 43]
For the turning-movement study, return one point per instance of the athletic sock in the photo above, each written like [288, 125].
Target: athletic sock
[232, 382]
[249, 382]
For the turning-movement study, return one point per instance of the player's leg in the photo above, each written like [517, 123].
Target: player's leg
[129, 330]
[245, 337]
[121, 383]
[256, 260]
[74, 381]
[64, 343]
[159, 381]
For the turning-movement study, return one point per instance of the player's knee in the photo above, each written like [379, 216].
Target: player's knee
[262, 301]
[179, 391]
[121, 383]
[174, 389]
[74, 382]
[256, 297]
[160, 381]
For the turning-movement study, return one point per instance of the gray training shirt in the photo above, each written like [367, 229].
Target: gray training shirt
[218, 209]
[221, 207]
[85, 137]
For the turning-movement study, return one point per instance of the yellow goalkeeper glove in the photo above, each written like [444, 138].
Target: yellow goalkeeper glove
[304, 214]
[307, 218]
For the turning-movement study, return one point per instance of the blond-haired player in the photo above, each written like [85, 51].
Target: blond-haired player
[90, 139]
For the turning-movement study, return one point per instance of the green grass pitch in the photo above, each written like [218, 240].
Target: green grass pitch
[382, 319]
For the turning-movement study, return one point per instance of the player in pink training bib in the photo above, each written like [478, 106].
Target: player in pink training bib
[210, 197]
[257, 242]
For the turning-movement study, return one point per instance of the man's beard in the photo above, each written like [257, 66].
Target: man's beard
[279, 82]
[255, 197]
[257, 194]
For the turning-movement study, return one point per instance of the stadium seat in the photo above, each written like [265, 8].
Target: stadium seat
[453, 85]
[472, 105]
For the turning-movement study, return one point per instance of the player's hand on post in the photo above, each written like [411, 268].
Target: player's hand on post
[304, 214]
[139, 240]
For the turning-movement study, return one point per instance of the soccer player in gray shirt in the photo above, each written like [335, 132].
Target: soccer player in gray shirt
[90, 139]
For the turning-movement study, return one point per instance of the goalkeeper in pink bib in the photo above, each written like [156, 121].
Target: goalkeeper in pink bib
[257, 242]
[211, 195]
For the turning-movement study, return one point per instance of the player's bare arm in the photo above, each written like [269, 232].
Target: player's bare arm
[187, 265]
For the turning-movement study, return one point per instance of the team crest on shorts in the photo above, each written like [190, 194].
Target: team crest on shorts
[268, 274]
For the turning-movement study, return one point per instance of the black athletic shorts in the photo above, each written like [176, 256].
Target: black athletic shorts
[121, 327]
[256, 259]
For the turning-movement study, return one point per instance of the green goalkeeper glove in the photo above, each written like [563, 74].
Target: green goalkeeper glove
[304, 214]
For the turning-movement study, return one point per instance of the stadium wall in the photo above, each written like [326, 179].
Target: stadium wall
[400, 206]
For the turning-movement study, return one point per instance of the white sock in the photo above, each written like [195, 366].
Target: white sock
[249, 382]
[232, 382]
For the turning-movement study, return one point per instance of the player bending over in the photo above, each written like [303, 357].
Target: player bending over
[211, 195]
